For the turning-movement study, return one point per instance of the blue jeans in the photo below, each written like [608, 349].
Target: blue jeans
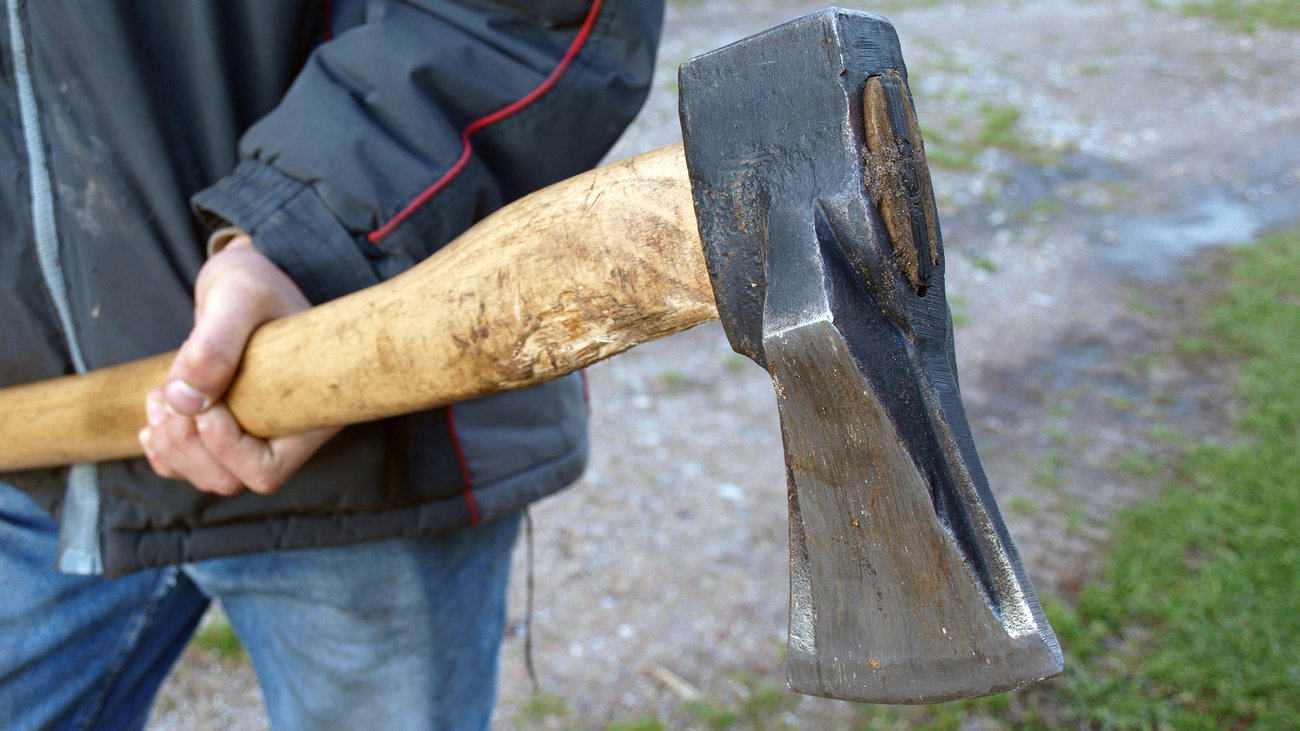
[391, 634]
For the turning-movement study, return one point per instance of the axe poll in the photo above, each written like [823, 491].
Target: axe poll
[799, 212]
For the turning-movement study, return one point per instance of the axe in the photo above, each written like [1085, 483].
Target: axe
[799, 212]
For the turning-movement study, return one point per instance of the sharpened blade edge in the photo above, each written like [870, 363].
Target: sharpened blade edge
[884, 607]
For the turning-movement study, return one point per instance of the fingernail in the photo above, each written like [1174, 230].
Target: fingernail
[185, 398]
[154, 411]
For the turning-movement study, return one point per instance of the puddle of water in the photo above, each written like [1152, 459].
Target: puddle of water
[1152, 248]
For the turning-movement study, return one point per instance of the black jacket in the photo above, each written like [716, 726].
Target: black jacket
[351, 139]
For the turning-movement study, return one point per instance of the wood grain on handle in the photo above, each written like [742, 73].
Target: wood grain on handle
[556, 281]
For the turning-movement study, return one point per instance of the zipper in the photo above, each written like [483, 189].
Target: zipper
[79, 551]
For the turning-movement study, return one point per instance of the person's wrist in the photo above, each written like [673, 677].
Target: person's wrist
[225, 237]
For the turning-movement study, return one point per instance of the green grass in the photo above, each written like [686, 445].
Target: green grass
[543, 707]
[957, 145]
[1194, 623]
[1042, 212]
[984, 264]
[1047, 475]
[218, 637]
[636, 724]
[759, 705]
[1249, 15]
[1001, 127]
[735, 362]
[674, 381]
[957, 306]
[1061, 409]
[1122, 403]
[1021, 505]
[1134, 301]
[1195, 345]
[946, 149]
[1138, 462]
[1059, 435]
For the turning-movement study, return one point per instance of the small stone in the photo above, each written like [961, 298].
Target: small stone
[729, 491]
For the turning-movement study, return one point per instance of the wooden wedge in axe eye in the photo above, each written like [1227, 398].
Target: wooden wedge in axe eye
[800, 214]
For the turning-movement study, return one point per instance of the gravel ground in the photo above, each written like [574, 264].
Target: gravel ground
[1074, 246]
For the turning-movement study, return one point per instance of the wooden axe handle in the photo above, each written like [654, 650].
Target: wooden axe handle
[556, 281]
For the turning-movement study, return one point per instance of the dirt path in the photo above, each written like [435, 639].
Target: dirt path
[1091, 149]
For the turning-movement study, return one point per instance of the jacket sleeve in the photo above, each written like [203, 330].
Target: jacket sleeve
[424, 116]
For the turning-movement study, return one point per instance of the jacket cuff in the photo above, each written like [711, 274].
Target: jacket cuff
[222, 237]
[289, 223]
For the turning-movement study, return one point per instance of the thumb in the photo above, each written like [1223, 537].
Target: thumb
[238, 289]
[206, 362]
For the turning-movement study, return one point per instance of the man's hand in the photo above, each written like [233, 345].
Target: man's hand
[191, 434]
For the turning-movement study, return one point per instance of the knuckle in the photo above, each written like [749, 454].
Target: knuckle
[265, 484]
[215, 435]
[221, 484]
[177, 435]
[163, 469]
[201, 355]
[161, 449]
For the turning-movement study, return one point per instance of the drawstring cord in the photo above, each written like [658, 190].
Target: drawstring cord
[528, 609]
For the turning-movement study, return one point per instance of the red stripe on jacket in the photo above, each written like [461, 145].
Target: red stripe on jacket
[467, 480]
[478, 125]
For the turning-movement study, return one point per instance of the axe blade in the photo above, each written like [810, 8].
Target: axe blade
[817, 219]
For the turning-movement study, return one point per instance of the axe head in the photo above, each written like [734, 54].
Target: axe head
[817, 218]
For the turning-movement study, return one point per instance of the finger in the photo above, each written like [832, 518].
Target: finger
[260, 465]
[160, 467]
[175, 451]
